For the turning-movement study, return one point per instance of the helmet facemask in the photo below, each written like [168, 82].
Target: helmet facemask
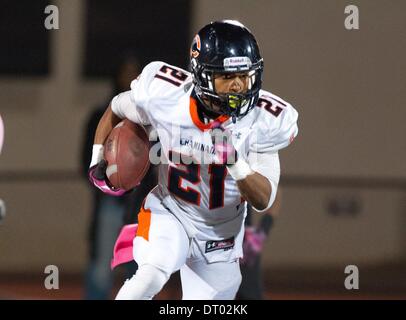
[235, 105]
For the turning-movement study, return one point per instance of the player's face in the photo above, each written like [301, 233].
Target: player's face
[231, 82]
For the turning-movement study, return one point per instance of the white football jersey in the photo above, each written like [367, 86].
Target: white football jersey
[200, 193]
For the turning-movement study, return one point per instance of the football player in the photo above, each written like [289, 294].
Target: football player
[220, 134]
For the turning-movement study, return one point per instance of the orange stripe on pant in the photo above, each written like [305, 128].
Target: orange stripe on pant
[144, 222]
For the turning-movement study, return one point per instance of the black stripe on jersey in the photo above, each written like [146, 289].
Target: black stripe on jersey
[168, 80]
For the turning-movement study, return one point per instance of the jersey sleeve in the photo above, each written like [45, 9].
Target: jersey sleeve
[143, 88]
[276, 128]
[267, 164]
[124, 106]
[133, 104]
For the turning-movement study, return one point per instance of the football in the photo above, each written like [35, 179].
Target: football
[126, 151]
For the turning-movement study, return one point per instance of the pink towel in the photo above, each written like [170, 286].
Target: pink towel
[123, 249]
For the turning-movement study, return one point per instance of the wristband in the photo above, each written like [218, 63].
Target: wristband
[97, 154]
[240, 170]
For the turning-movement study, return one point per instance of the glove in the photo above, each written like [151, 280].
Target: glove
[97, 176]
[226, 154]
[253, 244]
[223, 146]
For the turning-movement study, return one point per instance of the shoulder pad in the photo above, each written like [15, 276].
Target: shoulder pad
[276, 125]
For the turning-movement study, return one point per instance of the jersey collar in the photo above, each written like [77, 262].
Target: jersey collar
[196, 120]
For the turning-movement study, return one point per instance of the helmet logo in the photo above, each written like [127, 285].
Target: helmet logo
[195, 48]
[237, 63]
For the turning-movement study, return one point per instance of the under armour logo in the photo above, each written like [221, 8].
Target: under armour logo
[237, 135]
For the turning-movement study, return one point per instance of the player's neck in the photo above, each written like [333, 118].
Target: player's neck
[205, 115]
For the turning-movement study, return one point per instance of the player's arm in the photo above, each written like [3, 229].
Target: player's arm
[256, 189]
[257, 179]
[127, 105]
[98, 166]
[107, 122]
[121, 107]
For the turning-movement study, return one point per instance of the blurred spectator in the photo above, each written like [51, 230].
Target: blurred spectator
[109, 213]
[254, 239]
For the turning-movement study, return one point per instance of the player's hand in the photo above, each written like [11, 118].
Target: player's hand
[223, 145]
[97, 176]
[253, 244]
